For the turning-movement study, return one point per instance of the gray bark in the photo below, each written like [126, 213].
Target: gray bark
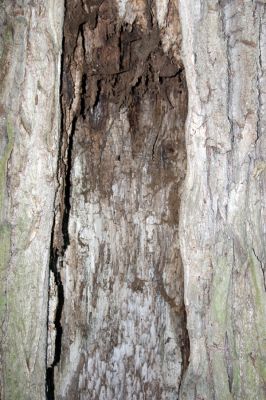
[31, 41]
[223, 237]
[132, 233]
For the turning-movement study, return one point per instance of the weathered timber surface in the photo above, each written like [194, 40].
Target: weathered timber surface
[223, 206]
[124, 102]
[144, 240]
[30, 46]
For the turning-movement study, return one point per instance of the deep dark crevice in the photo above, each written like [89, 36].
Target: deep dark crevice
[67, 195]
[57, 246]
[58, 326]
[81, 31]
[185, 350]
[56, 255]
[82, 99]
[49, 370]
[57, 322]
[121, 50]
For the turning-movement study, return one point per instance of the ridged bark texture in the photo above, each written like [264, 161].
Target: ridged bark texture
[30, 46]
[223, 206]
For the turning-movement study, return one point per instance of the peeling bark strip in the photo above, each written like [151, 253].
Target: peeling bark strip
[122, 165]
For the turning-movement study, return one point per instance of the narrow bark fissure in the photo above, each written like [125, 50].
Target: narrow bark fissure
[59, 242]
[54, 257]
[57, 252]
[67, 195]
[261, 267]
[58, 249]
[185, 351]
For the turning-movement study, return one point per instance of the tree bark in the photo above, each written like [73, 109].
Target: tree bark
[132, 199]
[31, 42]
[223, 237]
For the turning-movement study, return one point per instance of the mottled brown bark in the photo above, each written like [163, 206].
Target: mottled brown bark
[123, 161]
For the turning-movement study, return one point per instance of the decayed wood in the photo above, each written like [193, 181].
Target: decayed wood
[30, 43]
[146, 299]
[124, 101]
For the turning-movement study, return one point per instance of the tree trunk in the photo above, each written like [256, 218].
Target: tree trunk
[132, 250]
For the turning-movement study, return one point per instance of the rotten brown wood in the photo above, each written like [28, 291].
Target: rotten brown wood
[124, 104]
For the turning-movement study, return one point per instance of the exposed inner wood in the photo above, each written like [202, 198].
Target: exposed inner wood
[118, 330]
[112, 178]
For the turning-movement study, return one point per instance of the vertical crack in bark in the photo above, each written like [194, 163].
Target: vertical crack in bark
[59, 244]
[58, 247]
[185, 351]
[262, 268]
[59, 299]
[67, 194]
